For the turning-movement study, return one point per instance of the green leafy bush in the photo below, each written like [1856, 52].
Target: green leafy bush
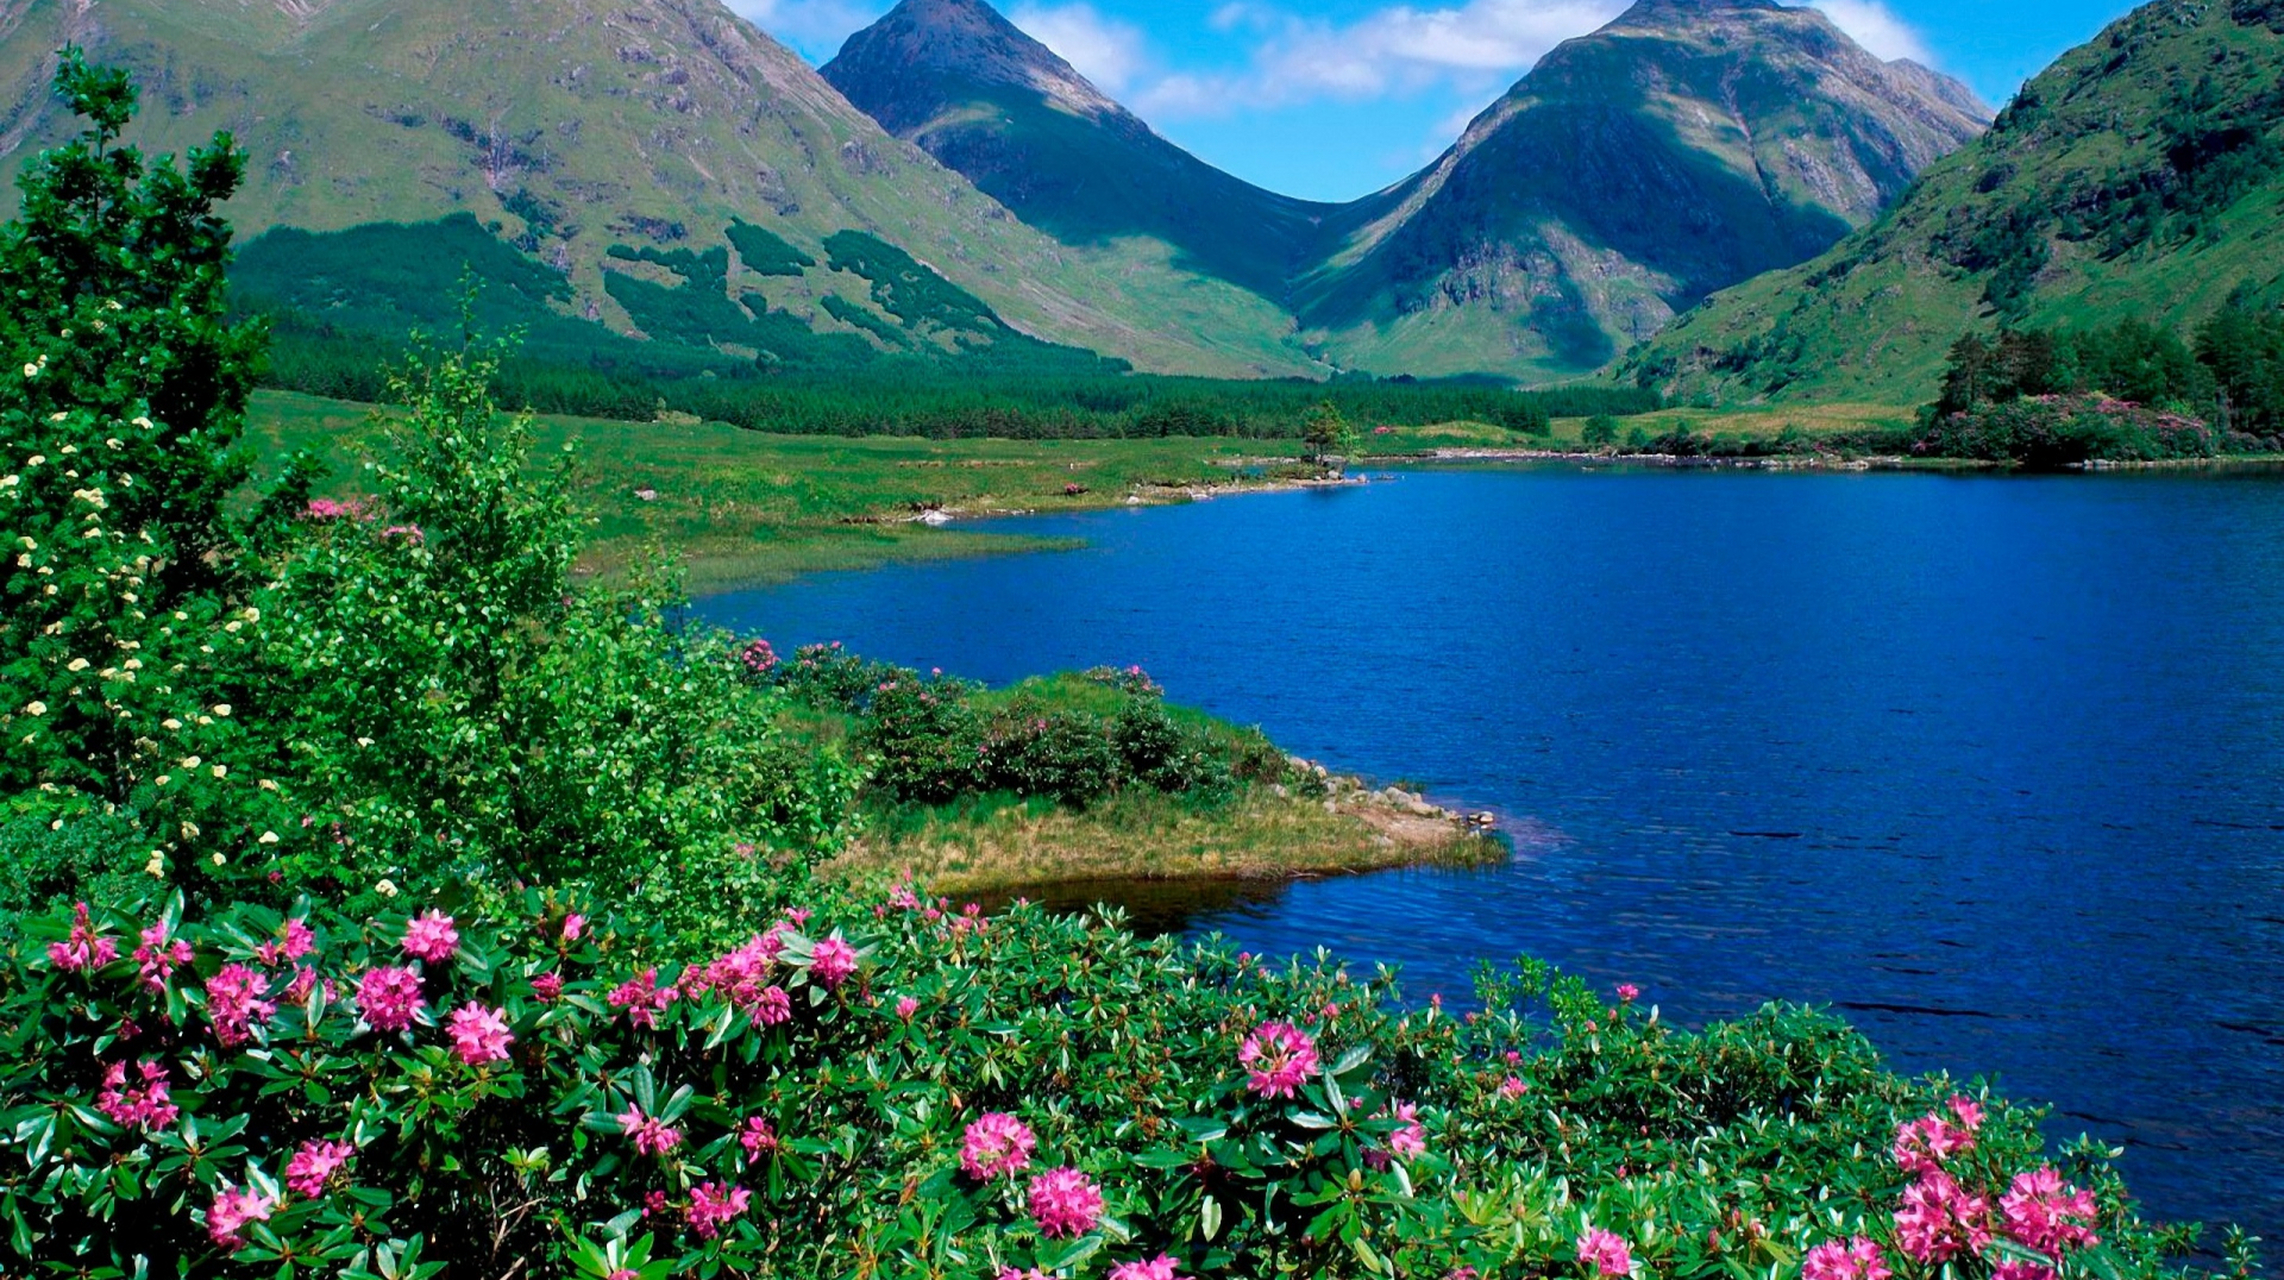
[896, 1088]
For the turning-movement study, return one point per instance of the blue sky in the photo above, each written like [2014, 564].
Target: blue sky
[1332, 99]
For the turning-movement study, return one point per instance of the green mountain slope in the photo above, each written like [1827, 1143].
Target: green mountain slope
[619, 146]
[967, 86]
[1687, 146]
[2141, 177]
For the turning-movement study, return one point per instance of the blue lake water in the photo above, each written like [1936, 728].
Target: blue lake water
[1995, 766]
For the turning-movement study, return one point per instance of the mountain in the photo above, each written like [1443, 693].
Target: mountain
[658, 168]
[2140, 177]
[1685, 147]
[965, 85]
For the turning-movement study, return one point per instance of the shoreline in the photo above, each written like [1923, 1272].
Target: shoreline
[1268, 835]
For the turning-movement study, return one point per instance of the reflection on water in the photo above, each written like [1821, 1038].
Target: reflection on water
[1991, 765]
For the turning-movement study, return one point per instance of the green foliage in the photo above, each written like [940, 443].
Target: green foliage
[1600, 432]
[1326, 433]
[764, 252]
[575, 1094]
[2243, 348]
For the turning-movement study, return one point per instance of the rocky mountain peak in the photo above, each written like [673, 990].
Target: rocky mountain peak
[955, 39]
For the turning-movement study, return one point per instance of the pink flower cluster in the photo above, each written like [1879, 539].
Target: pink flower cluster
[712, 1206]
[298, 942]
[1941, 1218]
[759, 1138]
[235, 1208]
[389, 998]
[1065, 1203]
[480, 1035]
[2046, 1214]
[832, 961]
[1606, 1252]
[145, 1105]
[325, 510]
[1278, 1058]
[159, 956]
[759, 658]
[1408, 1141]
[651, 1136]
[431, 937]
[1928, 1143]
[314, 1165]
[84, 949]
[1158, 1268]
[996, 1143]
[742, 978]
[1856, 1259]
[642, 998]
[235, 1003]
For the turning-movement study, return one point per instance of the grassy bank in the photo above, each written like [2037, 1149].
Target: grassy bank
[741, 507]
[1086, 776]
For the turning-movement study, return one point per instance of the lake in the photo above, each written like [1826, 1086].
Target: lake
[1992, 765]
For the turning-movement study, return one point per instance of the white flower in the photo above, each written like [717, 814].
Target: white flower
[133, 664]
[171, 723]
[157, 866]
[269, 837]
[222, 709]
[364, 742]
[77, 665]
[35, 708]
[386, 888]
[31, 371]
[221, 770]
[190, 762]
[36, 460]
[10, 482]
[218, 859]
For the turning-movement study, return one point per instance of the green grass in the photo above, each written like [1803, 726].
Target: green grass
[740, 507]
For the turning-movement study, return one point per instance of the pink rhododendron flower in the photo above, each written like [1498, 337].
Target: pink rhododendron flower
[234, 1003]
[712, 1205]
[1513, 1087]
[480, 1035]
[83, 950]
[1628, 992]
[642, 998]
[906, 1006]
[1028, 1273]
[144, 1105]
[1459, 1273]
[574, 927]
[431, 937]
[758, 1138]
[2044, 1213]
[1065, 1203]
[1925, 1145]
[2021, 1271]
[1606, 1252]
[548, 987]
[389, 999]
[298, 942]
[1410, 1140]
[1158, 1268]
[1857, 1259]
[1278, 1057]
[159, 956]
[1969, 1113]
[996, 1143]
[1939, 1219]
[832, 961]
[314, 1164]
[232, 1209]
[303, 982]
[651, 1136]
[742, 978]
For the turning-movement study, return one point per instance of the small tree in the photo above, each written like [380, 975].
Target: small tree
[1601, 432]
[1327, 437]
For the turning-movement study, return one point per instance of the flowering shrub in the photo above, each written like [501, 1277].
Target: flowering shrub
[895, 1088]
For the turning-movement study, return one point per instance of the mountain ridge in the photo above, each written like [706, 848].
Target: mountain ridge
[1498, 256]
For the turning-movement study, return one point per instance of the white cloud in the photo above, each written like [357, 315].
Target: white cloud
[1874, 26]
[1398, 49]
[1110, 53]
